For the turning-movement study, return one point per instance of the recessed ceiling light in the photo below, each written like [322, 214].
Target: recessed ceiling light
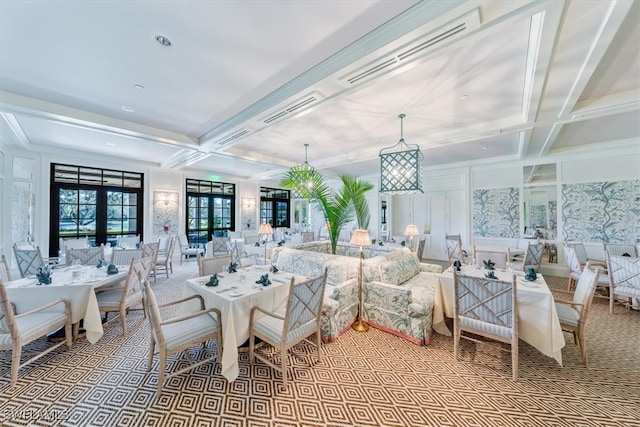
[128, 109]
[464, 97]
[138, 86]
[163, 40]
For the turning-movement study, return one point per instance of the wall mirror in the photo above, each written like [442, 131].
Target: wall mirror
[301, 214]
[540, 201]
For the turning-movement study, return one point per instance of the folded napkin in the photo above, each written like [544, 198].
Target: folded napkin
[213, 281]
[457, 264]
[112, 269]
[402, 243]
[489, 265]
[257, 244]
[273, 268]
[530, 275]
[381, 243]
[233, 267]
[264, 280]
[490, 274]
[102, 263]
[44, 275]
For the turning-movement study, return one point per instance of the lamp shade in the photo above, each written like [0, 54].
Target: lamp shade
[265, 229]
[412, 230]
[360, 238]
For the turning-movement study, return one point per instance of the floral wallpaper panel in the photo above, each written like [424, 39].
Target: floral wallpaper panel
[496, 212]
[606, 212]
[248, 213]
[538, 216]
[165, 212]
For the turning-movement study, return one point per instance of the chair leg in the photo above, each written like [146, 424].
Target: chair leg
[68, 335]
[583, 347]
[152, 348]
[161, 368]
[611, 300]
[456, 343]
[123, 321]
[15, 361]
[283, 363]
[318, 343]
[251, 347]
[514, 359]
[76, 330]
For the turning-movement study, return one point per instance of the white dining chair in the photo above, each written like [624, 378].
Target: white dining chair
[624, 279]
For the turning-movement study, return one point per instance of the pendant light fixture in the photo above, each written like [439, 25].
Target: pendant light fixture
[401, 167]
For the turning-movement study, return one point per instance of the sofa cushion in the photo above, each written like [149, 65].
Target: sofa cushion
[399, 270]
[301, 262]
[340, 270]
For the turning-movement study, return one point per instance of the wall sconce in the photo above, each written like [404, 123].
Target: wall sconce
[401, 169]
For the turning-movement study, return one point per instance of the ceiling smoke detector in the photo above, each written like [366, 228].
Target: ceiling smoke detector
[163, 40]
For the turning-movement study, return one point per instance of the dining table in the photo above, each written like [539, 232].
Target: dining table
[76, 284]
[538, 322]
[235, 295]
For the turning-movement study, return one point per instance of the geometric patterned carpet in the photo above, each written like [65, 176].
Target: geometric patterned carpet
[364, 379]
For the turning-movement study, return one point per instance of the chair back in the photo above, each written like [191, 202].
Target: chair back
[125, 256]
[29, 260]
[183, 241]
[138, 272]
[128, 242]
[571, 259]
[218, 246]
[624, 271]
[79, 243]
[153, 312]
[217, 264]
[172, 246]
[232, 247]
[454, 248]
[303, 306]
[533, 256]
[499, 258]
[151, 250]
[487, 305]
[585, 289]
[307, 236]
[87, 256]
[618, 249]
[581, 253]
[7, 315]
[5, 271]
[420, 249]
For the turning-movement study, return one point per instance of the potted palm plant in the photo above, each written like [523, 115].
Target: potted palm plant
[339, 207]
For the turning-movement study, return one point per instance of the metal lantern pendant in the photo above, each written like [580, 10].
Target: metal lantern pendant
[401, 167]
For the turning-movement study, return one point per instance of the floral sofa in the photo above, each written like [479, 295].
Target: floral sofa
[399, 294]
[398, 290]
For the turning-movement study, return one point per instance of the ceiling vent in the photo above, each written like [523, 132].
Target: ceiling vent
[184, 157]
[417, 48]
[227, 139]
[296, 107]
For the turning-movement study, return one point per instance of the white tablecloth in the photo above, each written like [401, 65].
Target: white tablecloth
[236, 310]
[538, 322]
[27, 295]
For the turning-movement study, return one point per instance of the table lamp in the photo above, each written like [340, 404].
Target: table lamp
[411, 230]
[265, 230]
[360, 238]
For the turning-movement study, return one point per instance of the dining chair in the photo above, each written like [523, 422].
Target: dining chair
[209, 266]
[29, 260]
[121, 299]
[488, 308]
[125, 256]
[532, 258]
[73, 243]
[624, 279]
[300, 319]
[575, 271]
[216, 246]
[177, 334]
[19, 329]
[186, 251]
[573, 313]
[128, 241]
[583, 257]
[87, 256]
[454, 248]
[240, 257]
[164, 261]
[5, 271]
[499, 258]
[150, 250]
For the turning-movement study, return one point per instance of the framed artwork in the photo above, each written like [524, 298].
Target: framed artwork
[248, 213]
[165, 212]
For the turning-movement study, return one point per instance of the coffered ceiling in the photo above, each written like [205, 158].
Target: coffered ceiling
[245, 84]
